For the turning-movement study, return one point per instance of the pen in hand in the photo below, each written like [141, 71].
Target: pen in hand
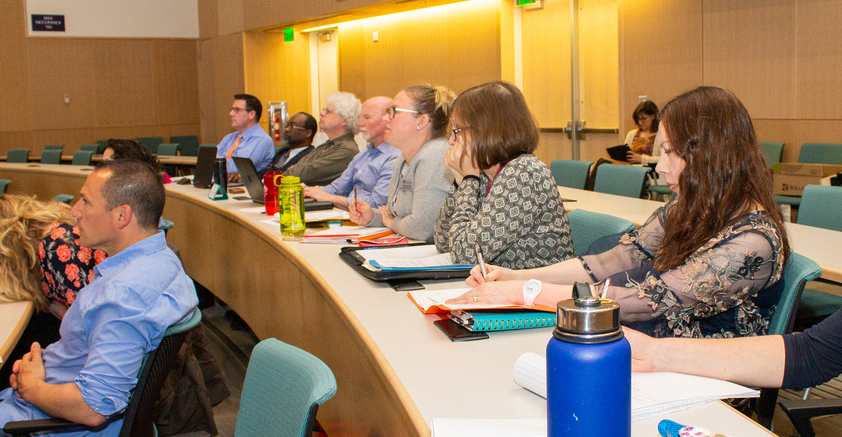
[481, 262]
[355, 197]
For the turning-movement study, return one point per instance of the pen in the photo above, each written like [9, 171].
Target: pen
[605, 288]
[481, 261]
[355, 196]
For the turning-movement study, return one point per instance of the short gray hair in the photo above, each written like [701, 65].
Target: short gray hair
[348, 106]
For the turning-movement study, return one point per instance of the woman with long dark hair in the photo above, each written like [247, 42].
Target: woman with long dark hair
[704, 265]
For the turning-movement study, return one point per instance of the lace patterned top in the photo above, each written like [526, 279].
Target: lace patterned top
[66, 266]
[727, 288]
[520, 223]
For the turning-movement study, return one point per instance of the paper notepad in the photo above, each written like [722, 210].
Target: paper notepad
[433, 301]
[409, 258]
[653, 393]
[346, 234]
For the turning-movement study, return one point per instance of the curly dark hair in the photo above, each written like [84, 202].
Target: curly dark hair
[131, 149]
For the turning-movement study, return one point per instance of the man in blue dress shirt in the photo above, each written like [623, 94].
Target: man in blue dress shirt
[138, 291]
[249, 139]
[370, 171]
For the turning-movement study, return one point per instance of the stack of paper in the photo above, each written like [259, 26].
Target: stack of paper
[346, 235]
[653, 393]
[433, 301]
[409, 258]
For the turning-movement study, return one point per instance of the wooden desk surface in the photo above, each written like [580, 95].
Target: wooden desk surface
[395, 370]
[14, 316]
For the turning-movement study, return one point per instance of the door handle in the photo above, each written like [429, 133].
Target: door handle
[581, 130]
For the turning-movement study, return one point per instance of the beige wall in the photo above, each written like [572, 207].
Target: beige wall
[781, 57]
[118, 87]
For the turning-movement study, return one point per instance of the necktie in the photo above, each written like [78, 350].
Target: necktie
[234, 147]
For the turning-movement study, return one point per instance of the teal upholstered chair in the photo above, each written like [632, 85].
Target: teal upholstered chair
[622, 180]
[101, 145]
[168, 149]
[89, 147]
[771, 152]
[151, 143]
[4, 185]
[821, 206]
[283, 389]
[189, 144]
[587, 227]
[63, 198]
[51, 156]
[83, 157]
[820, 153]
[54, 147]
[797, 271]
[137, 418]
[18, 155]
[571, 174]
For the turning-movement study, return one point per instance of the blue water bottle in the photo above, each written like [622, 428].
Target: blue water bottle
[588, 371]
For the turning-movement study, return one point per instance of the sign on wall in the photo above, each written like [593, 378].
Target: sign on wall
[113, 18]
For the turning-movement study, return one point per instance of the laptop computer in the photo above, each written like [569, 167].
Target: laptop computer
[250, 178]
[203, 173]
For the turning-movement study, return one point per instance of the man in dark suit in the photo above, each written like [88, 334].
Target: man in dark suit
[298, 133]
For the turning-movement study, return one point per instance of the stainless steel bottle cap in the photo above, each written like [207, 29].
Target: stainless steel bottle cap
[588, 319]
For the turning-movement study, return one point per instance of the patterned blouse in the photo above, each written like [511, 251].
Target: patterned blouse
[66, 266]
[519, 224]
[727, 288]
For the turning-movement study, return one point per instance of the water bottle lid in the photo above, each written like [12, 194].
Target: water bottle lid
[290, 180]
[588, 319]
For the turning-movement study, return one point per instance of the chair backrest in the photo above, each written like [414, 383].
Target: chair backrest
[89, 147]
[771, 152]
[798, 270]
[18, 155]
[820, 153]
[284, 387]
[4, 185]
[54, 147]
[167, 149]
[151, 143]
[587, 227]
[51, 156]
[63, 198]
[821, 206]
[189, 144]
[83, 157]
[101, 145]
[137, 421]
[622, 180]
[571, 174]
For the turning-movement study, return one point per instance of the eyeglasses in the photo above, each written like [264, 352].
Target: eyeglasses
[293, 127]
[328, 111]
[453, 132]
[236, 109]
[393, 111]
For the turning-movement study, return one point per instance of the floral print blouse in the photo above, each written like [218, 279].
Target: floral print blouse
[66, 266]
[727, 288]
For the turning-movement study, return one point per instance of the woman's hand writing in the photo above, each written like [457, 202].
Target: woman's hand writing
[492, 273]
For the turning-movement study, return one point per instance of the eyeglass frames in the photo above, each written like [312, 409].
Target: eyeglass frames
[453, 132]
[393, 111]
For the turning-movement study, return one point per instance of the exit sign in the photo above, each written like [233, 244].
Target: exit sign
[530, 4]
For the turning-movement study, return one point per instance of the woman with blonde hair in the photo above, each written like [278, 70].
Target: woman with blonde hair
[416, 124]
[40, 257]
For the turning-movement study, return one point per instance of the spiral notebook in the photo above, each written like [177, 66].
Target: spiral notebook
[502, 320]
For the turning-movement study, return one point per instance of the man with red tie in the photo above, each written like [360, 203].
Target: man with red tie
[249, 140]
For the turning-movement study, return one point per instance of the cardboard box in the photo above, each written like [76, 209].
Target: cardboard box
[789, 179]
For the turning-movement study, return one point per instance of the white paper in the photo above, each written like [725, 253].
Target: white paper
[653, 393]
[428, 298]
[254, 210]
[330, 214]
[447, 427]
[409, 252]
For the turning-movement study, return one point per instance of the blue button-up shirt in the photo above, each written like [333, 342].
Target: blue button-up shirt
[119, 317]
[256, 145]
[369, 171]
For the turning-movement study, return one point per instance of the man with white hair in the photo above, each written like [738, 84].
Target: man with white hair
[338, 120]
[370, 171]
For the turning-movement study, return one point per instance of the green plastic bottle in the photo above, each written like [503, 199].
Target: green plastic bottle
[291, 201]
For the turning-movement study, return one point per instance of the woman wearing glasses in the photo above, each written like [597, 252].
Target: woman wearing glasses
[416, 124]
[505, 201]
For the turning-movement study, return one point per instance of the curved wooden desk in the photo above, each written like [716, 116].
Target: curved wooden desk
[395, 371]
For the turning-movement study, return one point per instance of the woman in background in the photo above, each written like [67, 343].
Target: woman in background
[703, 265]
[416, 124]
[40, 256]
[641, 141]
[131, 149]
[504, 199]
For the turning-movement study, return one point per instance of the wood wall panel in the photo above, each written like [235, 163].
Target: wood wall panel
[175, 82]
[599, 63]
[230, 16]
[546, 63]
[819, 54]
[124, 88]
[428, 46]
[208, 19]
[276, 71]
[662, 52]
[14, 87]
[228, 79]
[207, 100]
[749, 47]
[779, 131]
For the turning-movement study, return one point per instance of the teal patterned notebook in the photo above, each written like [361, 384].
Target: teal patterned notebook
[502, 320]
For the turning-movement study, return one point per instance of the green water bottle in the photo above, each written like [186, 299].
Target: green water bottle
[291, 202]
